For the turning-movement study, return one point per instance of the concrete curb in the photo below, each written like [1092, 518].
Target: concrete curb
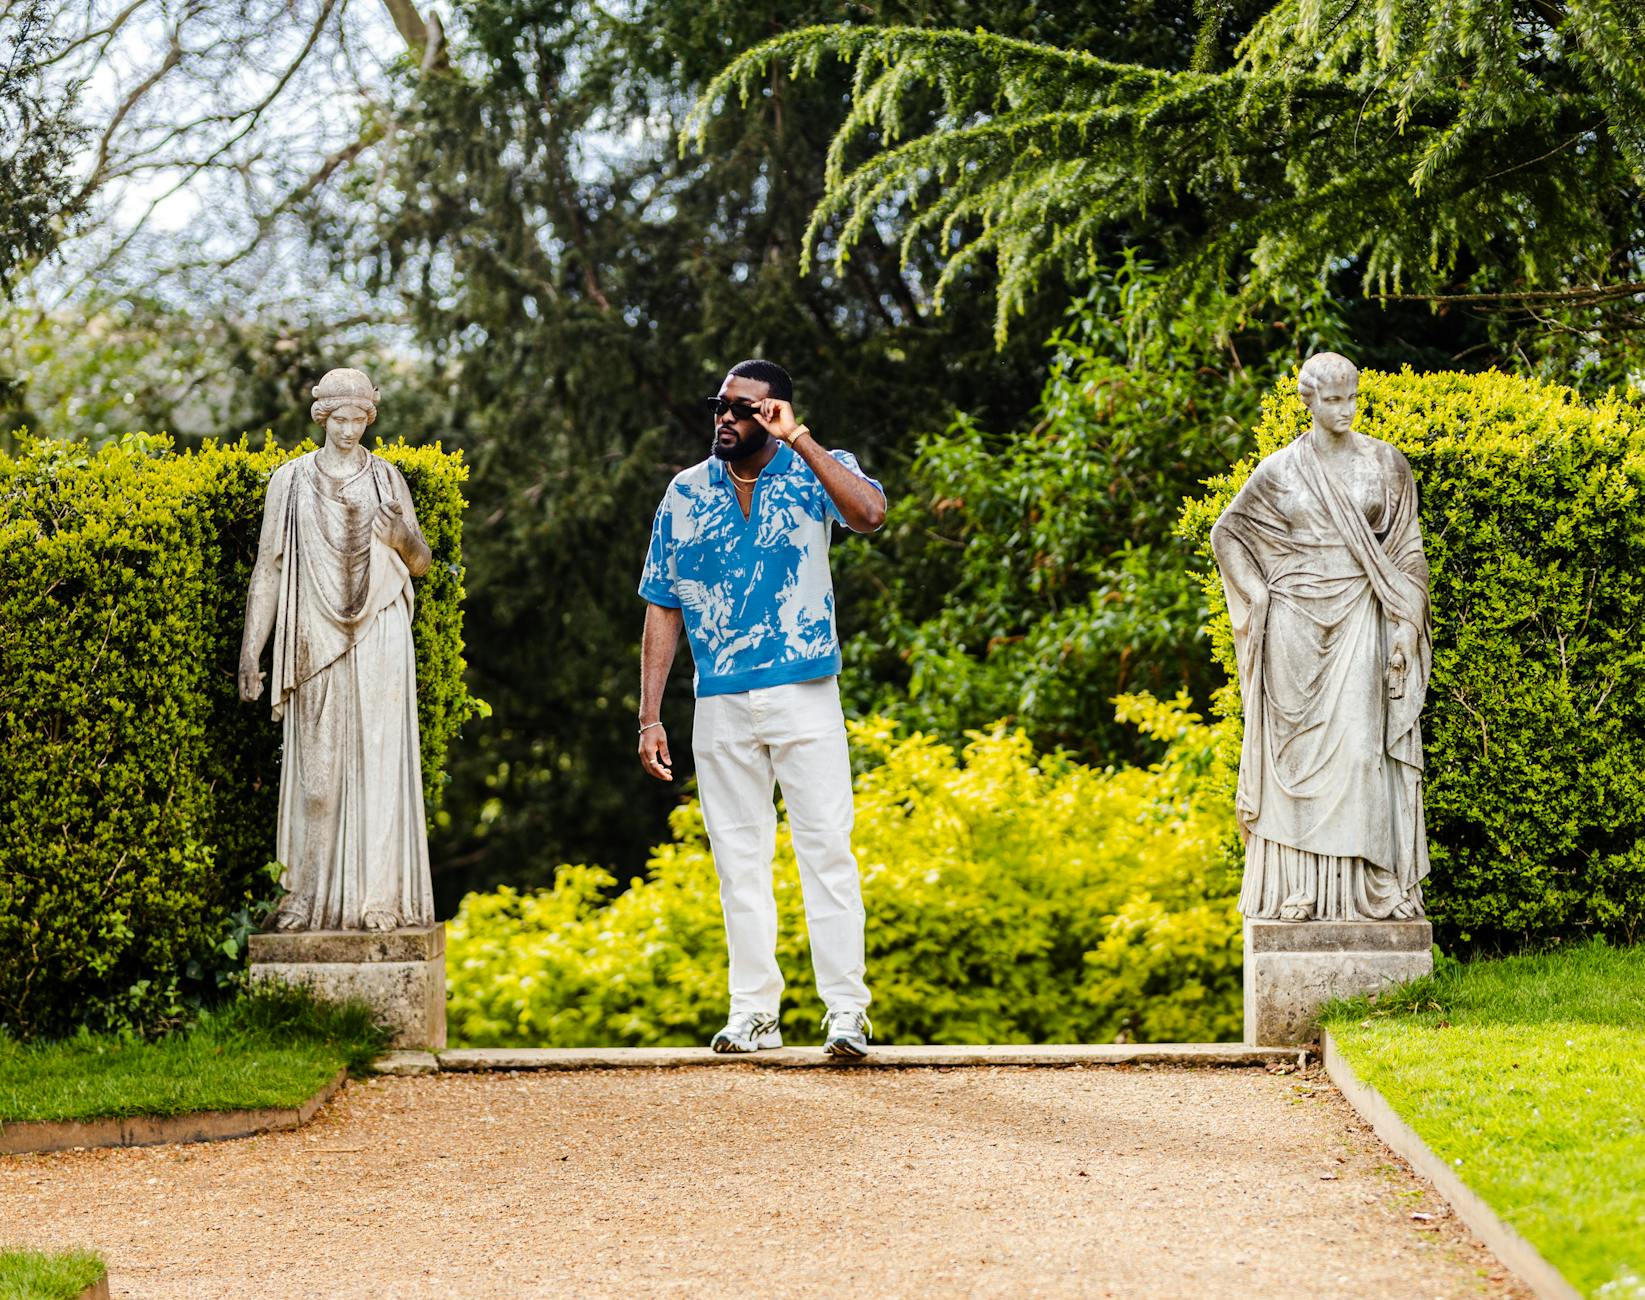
[1062, 1055]
[98, 1290]
[34, 1136]
[1522, 1258]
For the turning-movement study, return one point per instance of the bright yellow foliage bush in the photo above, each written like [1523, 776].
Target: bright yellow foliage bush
[1011, 897]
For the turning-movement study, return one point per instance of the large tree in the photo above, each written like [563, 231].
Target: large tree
[1479, 155]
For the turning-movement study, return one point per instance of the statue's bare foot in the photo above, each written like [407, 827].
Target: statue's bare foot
[378, 920]
[1296, 912]
[286, 920]
[1406, 910]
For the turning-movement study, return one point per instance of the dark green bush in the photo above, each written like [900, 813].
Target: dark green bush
[1033, 577]
[137, 794]
[1533, 514]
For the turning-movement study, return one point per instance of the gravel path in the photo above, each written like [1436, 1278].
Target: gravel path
[973, 1182]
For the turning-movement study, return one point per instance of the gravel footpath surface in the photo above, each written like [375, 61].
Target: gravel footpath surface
[964, 1182]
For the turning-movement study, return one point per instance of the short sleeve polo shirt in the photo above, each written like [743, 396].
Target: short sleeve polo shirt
[756, 594]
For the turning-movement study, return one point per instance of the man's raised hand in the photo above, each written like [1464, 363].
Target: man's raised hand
[777, 416]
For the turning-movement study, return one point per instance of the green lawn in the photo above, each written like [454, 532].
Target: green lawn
[276, 1047]
[29, 1275]
[1528, 1076]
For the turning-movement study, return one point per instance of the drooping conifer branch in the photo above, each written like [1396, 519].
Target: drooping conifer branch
[1465, 147]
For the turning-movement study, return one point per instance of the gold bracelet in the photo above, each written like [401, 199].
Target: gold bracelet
[798, 434]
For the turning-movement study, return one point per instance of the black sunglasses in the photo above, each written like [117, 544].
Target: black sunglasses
[718, 406]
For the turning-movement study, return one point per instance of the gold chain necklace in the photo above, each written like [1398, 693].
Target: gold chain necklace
[744, 481]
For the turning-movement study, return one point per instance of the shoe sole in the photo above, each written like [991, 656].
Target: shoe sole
[726, 1046]
[845, 1050]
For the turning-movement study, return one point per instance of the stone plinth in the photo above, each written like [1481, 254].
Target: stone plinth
[401, 974]
[1292, 968]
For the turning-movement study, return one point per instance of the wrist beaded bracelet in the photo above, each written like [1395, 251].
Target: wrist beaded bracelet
[647, 727]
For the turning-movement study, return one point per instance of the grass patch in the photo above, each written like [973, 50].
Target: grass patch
[275, 1046]
[31, 1275]
[1527, 1075]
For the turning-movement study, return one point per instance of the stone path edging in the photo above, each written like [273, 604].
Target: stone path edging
[896, 1058]
[27, 1137]
[1504, 1242]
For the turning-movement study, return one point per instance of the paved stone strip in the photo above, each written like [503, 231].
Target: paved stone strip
[894, 1058]
[33, 1136]
[1506, 1244]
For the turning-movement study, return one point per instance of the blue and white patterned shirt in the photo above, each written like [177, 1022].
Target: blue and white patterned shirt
[756, 593]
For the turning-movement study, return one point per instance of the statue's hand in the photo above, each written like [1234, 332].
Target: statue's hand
[1401, 653]
[390, 527]
[251, 681]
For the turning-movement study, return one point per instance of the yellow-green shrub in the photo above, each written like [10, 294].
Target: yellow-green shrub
[1011, 898]
[1533, 515]
[137, 794]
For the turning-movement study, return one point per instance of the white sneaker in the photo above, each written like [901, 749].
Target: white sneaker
[747, 1031]
[846, 1034]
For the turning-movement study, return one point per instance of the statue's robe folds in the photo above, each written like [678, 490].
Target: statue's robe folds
[1330, 777]
[351, 832]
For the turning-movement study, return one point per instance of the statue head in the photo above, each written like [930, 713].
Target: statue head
[1328, 384]
[345, 404]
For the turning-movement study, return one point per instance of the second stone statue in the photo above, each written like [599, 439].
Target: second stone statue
[1327, 584]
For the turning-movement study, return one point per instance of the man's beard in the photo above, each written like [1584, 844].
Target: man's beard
[743, 448]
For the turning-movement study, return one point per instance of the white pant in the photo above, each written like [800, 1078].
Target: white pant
[793, 735]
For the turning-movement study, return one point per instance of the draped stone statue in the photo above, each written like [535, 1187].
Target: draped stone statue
[1327, 584]
[338, 550]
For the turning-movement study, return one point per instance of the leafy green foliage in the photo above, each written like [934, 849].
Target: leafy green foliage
[1482, 146]
[137, 794]
[1034, 576]
[1010, 898]
[104, 363]
[1533, 515]
[38, 142]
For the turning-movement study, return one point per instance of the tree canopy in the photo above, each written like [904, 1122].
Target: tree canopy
[1483, 153]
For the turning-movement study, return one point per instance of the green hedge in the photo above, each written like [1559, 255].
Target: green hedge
[1011, 897]
[137, 793]
[1533, 515]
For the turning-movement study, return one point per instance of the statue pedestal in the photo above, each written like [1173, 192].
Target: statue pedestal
[400, 974]
[1293, 968]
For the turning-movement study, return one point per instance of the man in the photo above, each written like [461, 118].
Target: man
[739, 559]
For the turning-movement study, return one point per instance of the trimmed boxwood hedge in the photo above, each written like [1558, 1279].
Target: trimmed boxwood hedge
[1533, 515]
[137, 793]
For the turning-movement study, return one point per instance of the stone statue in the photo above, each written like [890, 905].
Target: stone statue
[339, 548]
[1327, 585]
